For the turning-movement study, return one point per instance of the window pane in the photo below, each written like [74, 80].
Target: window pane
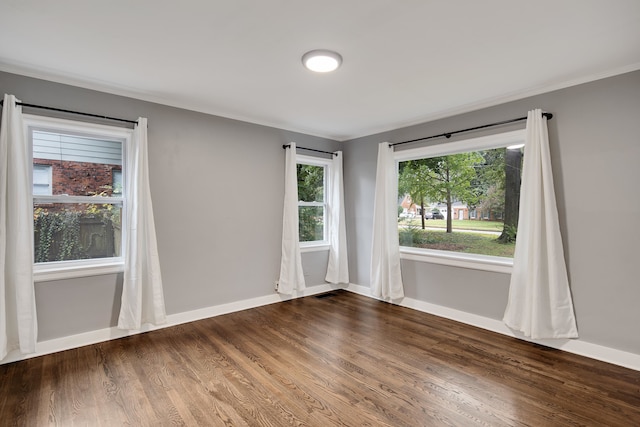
[465, 202]
[81, 166]
[311, 223]
[310, 183]
[68, 231]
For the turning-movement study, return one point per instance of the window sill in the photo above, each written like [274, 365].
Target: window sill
[456, 259]
[314, 247]
[61, 270]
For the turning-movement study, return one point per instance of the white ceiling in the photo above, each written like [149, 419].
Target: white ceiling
[405, 61]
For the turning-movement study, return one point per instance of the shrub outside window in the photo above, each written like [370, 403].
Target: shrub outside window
[461, 197]
[79, 220]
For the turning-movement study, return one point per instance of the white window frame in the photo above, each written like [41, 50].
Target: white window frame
[57, 270]
[317, 245]
[457, 259]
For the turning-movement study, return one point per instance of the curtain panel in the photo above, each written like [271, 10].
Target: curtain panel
[291, 275]
[18, 321]
[386, 276]
[540, 304]
[338, 266]
[142, 294]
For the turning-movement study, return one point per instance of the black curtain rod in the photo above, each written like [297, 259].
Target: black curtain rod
[311, 149]
[448, 135]
[135, 122]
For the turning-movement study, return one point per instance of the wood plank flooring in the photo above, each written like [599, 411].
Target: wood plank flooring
[340, 360]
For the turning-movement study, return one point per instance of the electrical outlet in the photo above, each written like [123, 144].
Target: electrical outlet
[276, 285]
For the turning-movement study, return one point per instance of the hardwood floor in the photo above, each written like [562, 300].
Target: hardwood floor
[340, 360]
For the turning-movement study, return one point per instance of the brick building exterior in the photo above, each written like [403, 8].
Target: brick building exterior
[81, 178]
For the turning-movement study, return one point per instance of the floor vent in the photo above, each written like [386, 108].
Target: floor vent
[326, 295]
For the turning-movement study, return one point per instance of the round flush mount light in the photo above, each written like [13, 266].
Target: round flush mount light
[321, 61]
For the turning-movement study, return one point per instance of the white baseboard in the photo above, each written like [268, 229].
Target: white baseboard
[102, 335]
[583, 348]
[594, 351]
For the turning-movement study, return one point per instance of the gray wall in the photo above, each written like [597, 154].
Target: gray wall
[217, 188]
[595, 148]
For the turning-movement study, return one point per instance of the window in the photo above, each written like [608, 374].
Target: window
[42, 180]
[480, 176]
[312, 206]
[78, 205]
[116, 181]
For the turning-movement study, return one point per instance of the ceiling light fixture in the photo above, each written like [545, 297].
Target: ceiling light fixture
[321, 61]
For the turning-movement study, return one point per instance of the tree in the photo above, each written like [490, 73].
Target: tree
[512, 180]
[414, 179]
[442, 179]
[310, 182]
[493, 199]
[489, 184]
[451, 177]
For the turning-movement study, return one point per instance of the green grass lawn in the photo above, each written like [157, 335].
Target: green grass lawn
[476, 243]
[456, 224]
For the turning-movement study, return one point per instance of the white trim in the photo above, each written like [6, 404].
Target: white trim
[106, 334]
[312, 204]
[491, 102]
[497, 140]
[458, 259]
[88, 129]
[582, 348]
[23, 70]
[316, 246]
[59, 270]
[65, 198]
[593, 351]
[312, 160]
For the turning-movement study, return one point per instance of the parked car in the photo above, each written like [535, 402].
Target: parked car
[433, 215]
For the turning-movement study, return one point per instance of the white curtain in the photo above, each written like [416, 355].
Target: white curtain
[386, 277]
[291, 274]
[540, 304]
[338, 267]
[18, 322]
[142, 296]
